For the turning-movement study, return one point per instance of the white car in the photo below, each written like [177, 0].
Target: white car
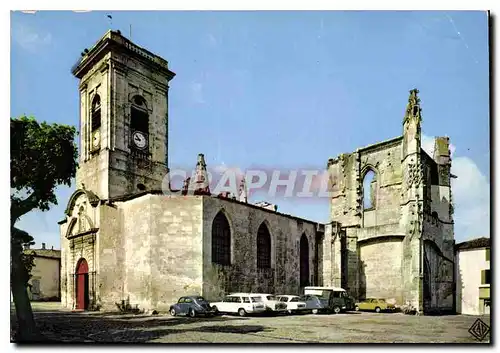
[241, 304]
[293, 303]
[271, 302]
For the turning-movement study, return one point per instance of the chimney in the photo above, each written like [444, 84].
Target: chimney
[43, 246]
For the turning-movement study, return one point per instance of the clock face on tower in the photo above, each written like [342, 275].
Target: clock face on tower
[139, 139]
[96, 139]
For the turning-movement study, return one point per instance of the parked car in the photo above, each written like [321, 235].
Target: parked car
[271, 302]
[335, 299]
[193, 305]
[241, 304]
[293, 303]
[375, 304]
[314, 304]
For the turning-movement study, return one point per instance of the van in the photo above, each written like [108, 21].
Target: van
[333, 299]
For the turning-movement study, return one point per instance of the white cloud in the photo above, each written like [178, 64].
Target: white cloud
[471, 195]
[29, 39]
[197, 92]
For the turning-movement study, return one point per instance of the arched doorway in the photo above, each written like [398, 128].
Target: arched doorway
[82, 285]
[304, 261]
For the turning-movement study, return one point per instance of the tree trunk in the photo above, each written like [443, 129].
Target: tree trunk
[26, 328]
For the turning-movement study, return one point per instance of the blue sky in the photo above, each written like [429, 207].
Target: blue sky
[281, 89]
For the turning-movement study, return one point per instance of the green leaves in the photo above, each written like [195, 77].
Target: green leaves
[43, 156]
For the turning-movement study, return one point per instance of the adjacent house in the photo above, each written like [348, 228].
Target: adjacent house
[45, 274]
[473, 277]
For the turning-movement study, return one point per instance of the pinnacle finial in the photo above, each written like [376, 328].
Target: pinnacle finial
[201, 160]
[413, 109]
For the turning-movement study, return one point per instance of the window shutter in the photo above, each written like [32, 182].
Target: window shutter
[483, 277]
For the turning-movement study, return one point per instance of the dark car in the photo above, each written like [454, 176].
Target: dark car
[314, 304]
[193, 305]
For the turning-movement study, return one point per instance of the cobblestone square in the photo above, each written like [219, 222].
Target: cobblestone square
[360, 327]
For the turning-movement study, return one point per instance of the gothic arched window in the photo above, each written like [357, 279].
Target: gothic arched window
[139, 117]
[304, 261]
[221, 240]
[96, 113]
[369, 190]
[263, 247]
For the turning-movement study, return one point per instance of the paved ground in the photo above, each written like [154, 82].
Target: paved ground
[343, 328]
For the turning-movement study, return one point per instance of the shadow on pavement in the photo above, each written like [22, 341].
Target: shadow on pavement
[70, 327]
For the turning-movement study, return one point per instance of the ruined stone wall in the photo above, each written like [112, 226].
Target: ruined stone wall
[385, 161]
[437, 233]
[380, 269]
[346, 174]
[365, 266]
[441, 281]
[243, 275]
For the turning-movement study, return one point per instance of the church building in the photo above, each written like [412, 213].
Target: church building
[123, 238]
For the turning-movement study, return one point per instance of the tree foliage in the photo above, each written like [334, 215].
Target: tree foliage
[43, 156]
[19, 241]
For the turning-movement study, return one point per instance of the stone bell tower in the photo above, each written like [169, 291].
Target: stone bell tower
[123, 118]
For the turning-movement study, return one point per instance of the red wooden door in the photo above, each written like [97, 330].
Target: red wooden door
[82, 284]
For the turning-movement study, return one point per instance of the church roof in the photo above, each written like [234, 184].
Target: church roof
[160, 192]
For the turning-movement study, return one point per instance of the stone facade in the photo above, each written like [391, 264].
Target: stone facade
[115, 73]
[123, 239]
[401, 246]
[151, 249]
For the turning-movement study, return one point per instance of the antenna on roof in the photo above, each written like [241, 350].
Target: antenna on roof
[130, 32]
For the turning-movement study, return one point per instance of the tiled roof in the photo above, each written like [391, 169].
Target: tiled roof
[474, 244]
[56, 254]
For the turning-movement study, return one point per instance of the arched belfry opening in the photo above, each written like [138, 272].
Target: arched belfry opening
[95, 117]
